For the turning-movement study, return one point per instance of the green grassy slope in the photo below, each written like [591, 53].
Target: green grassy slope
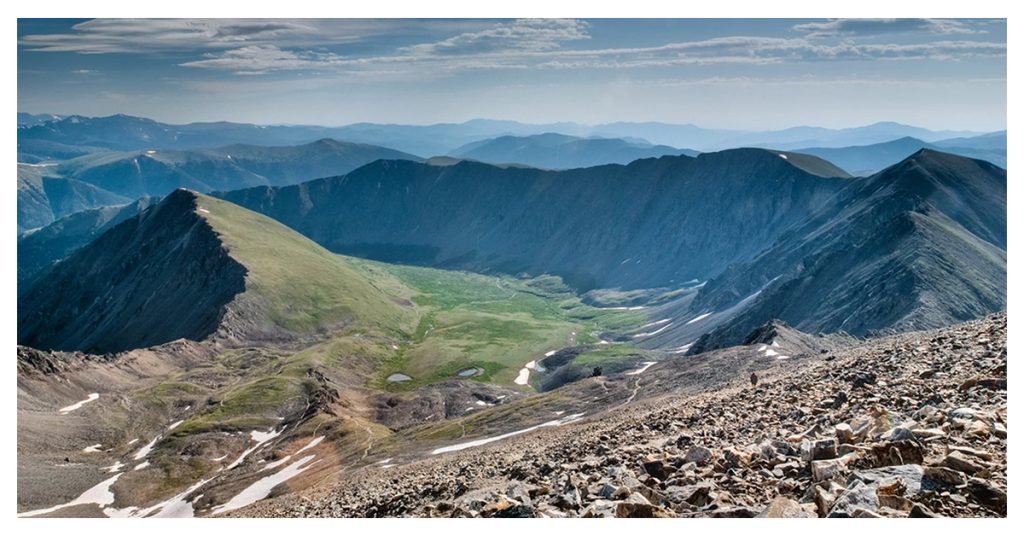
[301, 286]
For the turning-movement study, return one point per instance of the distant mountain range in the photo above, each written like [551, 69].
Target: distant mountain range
[867, 159]
[558, 151]
[27, 119]
[44, 196]
[113, 177]
[127, 133]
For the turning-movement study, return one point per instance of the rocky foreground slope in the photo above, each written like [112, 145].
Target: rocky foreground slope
[910, 425]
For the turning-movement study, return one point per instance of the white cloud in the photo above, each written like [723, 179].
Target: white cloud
[864, 27]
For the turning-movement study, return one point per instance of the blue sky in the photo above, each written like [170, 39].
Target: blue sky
[732, 73]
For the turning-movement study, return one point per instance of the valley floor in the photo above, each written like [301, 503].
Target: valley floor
[908, 425]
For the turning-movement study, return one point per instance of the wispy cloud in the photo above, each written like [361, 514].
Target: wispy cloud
[721, 50]
[865, 27]
[107, 36]
[103, 36]
[257, 47]
[261, 59]
[519, 35]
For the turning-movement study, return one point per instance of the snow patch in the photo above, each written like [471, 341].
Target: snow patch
[647, 365]
[682, 348]
[784, 157]
[699, 318]
[316, 441]
[655, 323]
[260, 438]
[92, 448]
[142, 465]
[262, 487]
[113, 468]
[76, 405]
[174, 425]
[524, 373]
[99, 495]
[144, 451]
[655, 332]
[277, 463]
[476, 443]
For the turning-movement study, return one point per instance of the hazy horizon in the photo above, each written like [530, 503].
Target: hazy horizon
[492, 119]
[737, 74]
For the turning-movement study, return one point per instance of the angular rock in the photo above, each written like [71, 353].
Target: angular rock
[911, 477]
[844, 434]
[599, 508]
[783, 507]
[696, 494]
[822, 449]
[698, 455]
[859, 496]
[961, 462]
[988, 495]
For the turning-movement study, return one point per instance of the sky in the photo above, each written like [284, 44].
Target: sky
[754, 74]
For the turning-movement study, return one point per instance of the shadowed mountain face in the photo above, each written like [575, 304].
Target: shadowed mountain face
[190, 267]
[557, 151]
[654, 222]
[159, 276]
[918, 245]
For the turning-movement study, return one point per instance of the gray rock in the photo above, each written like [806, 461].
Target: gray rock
[822, 449]
[859, 496]
[911, 475]
[698, 455]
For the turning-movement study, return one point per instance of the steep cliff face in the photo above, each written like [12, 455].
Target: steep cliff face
[916, 246]
[159, 276]
[192, 267]
[40, 249]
